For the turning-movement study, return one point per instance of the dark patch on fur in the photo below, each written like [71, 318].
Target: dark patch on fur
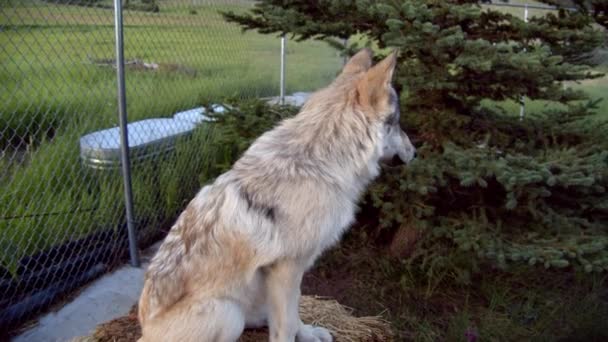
[369, 133]
[360, 145]
[247, 198]
[268, 212]
[336, 132]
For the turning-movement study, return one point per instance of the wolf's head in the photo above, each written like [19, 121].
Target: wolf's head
[378, 100]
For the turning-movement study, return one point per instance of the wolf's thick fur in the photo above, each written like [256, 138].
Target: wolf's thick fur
[236, 255]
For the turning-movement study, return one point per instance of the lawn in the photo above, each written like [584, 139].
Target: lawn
[50, 78]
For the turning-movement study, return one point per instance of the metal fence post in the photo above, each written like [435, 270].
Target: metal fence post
[282, 91]
[345, 58]
[124, 138]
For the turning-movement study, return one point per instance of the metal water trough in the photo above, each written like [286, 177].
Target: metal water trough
[147, 138]
[197, 115]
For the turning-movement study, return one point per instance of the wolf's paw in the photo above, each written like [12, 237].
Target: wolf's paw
[309, 333]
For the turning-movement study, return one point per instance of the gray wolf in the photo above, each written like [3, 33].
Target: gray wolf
[236, 255]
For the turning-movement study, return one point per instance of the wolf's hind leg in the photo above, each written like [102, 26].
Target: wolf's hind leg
[214, 320]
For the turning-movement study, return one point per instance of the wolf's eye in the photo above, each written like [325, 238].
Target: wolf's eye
[393, 119]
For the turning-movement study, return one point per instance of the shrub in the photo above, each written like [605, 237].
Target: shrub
[487, 188]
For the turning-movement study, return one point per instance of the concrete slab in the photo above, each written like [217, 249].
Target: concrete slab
[108, 297]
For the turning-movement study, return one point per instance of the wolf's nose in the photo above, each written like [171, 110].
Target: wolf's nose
[415, 154]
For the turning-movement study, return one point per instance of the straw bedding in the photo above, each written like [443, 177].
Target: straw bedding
[324, 312]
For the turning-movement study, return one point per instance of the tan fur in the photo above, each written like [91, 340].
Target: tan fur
[236, 255]
[358, 63]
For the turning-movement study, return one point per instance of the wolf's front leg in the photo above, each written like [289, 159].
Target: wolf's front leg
[283, 280]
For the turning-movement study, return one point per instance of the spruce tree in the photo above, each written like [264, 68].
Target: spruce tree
[488, 188]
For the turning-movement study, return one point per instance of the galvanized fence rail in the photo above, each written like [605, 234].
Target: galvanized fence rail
[82, 80]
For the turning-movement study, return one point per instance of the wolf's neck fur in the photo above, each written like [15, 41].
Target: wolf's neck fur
[329, 141]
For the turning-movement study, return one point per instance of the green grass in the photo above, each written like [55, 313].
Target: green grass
[52, 92]
[49, 80]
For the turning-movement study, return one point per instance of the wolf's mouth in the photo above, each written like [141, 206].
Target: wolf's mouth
[395, 161]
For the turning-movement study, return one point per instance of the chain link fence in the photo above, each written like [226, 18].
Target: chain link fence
[62, 200]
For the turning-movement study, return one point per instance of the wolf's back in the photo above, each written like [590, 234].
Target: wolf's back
[166, 276]
[189, 252]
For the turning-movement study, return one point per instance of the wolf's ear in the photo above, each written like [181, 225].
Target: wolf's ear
[361, 61]
[373, 90]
